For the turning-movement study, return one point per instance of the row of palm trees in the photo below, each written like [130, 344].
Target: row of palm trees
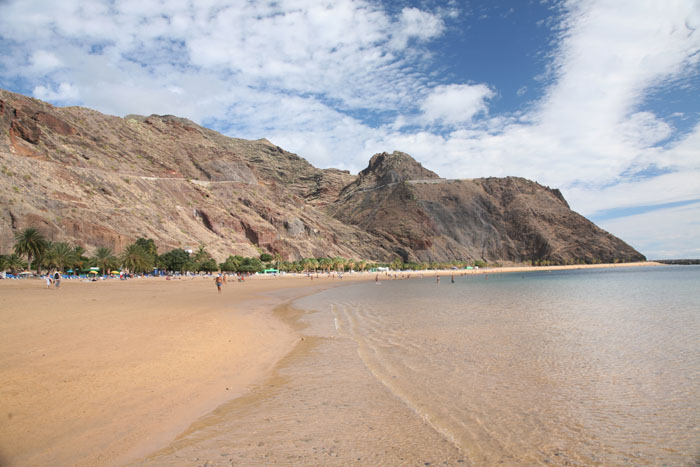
[41, 253]
[142, 256]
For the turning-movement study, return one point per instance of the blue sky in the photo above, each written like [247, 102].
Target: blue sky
[599, 98]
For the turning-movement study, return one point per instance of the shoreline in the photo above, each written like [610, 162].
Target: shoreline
[91, 380]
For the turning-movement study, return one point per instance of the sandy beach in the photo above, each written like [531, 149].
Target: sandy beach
[102, 373]
[105, 373]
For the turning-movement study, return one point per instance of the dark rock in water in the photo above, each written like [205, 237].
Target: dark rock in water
[684, 262]
[98, 180]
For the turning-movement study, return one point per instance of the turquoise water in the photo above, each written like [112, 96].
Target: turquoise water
[569, 367]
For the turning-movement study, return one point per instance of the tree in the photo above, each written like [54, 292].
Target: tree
[201, 255]
[266, 257]
[135, 259]
[105, 259]
[13, 262]
[175, 260]
[278, 259]
[30, 242]
[231, 264]
[208, 266]
[202, 258]
[325, 264]
[148, 245]
[397, 264]
[251, 265]
[339, 263]
[80, 260]
[60, 255]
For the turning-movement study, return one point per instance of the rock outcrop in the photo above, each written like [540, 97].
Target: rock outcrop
[98, 180]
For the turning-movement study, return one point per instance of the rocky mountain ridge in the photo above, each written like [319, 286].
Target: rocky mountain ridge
[99, 180]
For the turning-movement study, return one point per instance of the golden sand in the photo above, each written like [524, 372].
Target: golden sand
[103, 373]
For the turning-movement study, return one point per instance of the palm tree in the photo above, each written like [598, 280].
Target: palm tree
[13, 262]
[104, 259]
[202, 255]
[61, 255]
[135, 259]
[30, 242]
[80, 259]
[278, 259]
[306, 264]
[338, 263]
[325, 264]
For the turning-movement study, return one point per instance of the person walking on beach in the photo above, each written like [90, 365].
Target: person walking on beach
[49, 281]
[57, 279]
[219, 281]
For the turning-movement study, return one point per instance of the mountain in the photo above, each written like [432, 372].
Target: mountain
[99, 180]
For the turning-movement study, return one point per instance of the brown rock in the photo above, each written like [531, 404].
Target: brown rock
[98, 180]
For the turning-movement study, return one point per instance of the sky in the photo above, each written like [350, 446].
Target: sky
[599, 98]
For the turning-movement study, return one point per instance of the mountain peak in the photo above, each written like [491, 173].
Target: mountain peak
[385, 168]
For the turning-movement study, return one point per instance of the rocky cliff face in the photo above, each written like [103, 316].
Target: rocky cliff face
[422, 217]
[98, 180]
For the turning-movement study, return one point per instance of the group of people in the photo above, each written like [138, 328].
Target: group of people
[220, 280]
[53, 279]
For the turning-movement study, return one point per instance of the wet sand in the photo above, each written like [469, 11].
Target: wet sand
[106, 373]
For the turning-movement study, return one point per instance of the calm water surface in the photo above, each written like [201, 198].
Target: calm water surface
[581, 367]
[573, 366]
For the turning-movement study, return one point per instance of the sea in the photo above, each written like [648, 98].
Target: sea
[566, 367]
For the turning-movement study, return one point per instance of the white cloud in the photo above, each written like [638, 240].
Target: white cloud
[416, 24]
[643, 129]
[663, 234]
[299, 72]
[43, 61]
[666, 188]
[455, 103]
[64, 92]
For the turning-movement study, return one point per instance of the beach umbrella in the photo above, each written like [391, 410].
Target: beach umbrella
[24, 273]
[69, 270]
[94, 272]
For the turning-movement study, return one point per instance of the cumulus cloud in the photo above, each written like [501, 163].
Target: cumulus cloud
[43, 61]
[416, 24]
[64, 92]
[455, 103]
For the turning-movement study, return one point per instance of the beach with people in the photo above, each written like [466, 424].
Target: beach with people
[115, 372]
[99, 373]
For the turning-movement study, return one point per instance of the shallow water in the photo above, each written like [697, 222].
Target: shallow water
[583, 367]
